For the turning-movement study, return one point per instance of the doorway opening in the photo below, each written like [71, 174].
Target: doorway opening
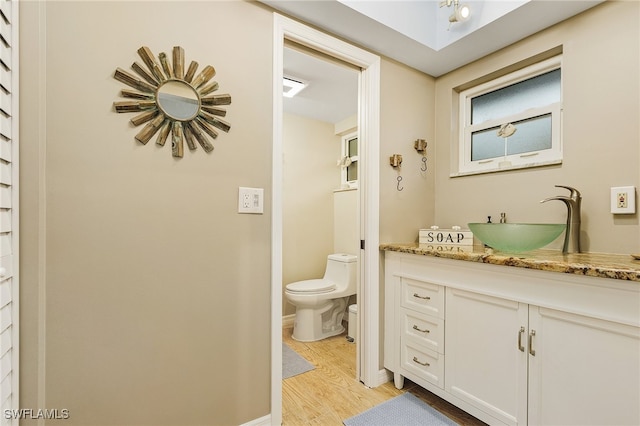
[320, 198]
[368, 369]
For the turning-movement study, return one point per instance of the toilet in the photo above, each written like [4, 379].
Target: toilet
[321, 303]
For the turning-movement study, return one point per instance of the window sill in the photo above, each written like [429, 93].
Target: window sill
[504, 169]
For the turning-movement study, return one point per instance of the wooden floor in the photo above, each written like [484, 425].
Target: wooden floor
[330, 393]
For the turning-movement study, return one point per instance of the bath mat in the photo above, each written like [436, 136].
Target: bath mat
[403, 410]
[293, 364]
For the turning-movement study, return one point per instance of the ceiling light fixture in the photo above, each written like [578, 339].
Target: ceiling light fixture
[460, 12]
[291, 86]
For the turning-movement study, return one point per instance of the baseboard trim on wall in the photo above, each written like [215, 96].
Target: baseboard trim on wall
[287, 320]
[262, 421]
[384, 376]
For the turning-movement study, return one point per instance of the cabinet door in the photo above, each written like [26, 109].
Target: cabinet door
[584, 371]
[486, 367]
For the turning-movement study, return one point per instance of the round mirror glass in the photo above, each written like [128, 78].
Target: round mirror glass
[178, 100]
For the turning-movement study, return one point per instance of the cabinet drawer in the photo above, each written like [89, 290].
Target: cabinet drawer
[426, 330]
[423, 297]
[422, 362]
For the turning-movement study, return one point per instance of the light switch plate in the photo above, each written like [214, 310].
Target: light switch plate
[623, 200]
[250, 200]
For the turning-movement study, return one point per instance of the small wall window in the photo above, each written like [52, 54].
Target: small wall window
[512, 122]
[349, 175]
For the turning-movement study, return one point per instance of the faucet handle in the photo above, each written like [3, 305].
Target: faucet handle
[575, 194]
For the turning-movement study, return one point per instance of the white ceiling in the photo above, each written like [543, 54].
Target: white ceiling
[332, 93]
[417, 32]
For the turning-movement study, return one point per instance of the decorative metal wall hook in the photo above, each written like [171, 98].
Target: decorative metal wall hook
[420, 145]
[395, 161]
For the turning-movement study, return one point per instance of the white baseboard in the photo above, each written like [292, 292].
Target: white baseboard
[384, 376]
[262, 421]
[287, 320]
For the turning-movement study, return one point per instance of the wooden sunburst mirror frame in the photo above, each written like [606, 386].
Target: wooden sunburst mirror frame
[172, 101]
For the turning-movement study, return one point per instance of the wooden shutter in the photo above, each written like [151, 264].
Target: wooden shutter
[8, 212]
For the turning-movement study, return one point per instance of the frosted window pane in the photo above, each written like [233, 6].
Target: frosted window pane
[486, 144]
[533, 134]
[353, 147]
[532, 93]
[352, 172]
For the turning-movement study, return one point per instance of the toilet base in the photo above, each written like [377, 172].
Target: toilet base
[303, 338]
[313, 324]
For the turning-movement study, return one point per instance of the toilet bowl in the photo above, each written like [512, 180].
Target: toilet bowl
[321, 303]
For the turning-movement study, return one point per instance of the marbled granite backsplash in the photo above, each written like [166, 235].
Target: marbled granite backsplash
[603, 265]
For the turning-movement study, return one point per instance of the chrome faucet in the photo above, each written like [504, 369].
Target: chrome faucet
[572, 233]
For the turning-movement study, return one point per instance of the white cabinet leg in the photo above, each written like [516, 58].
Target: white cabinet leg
[398, 380]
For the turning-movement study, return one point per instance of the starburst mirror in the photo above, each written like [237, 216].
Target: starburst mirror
[173, 102]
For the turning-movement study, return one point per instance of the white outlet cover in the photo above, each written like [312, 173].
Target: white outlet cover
[250, 200]
[630, 192]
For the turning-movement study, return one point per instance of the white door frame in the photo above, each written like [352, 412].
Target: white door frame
[368, 362]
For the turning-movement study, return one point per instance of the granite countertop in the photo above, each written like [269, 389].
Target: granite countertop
[604, 265]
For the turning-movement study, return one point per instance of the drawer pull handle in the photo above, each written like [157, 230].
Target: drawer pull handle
[415, 327]
[426, 364]
[421, 297]
[531, 350]
[520, 339]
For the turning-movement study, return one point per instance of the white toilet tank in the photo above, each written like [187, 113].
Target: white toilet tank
[341, 270]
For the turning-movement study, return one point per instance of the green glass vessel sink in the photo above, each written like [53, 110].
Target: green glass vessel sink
[517, 237]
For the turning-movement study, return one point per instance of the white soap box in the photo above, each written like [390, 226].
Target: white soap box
[460, 237]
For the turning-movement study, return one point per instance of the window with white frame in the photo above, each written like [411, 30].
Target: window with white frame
[513, 121]
[349, 160]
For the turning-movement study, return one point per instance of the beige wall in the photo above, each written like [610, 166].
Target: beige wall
[310, 175]
[406, 114]
[601, 49]
[145, 296]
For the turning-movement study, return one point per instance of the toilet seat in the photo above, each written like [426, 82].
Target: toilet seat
[317, 286]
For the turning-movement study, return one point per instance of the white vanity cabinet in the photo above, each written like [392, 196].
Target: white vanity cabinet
[421, 317]
[585, 371]
[487, 354]
[522, 347]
